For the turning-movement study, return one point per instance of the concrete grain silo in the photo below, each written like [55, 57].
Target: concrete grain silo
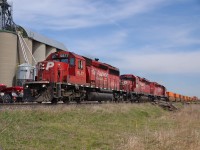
[49, 50]
[39, 51]
[8, 57]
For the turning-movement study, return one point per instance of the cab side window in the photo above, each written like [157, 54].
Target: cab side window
[80, 64]
[72, 61]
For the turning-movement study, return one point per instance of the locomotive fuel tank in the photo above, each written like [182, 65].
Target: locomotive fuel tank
[144, 99]
[97, 96]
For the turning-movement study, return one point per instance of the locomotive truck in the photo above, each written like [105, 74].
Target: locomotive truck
[66, 76]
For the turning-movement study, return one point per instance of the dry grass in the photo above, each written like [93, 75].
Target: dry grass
[182, 133]
[106, 126]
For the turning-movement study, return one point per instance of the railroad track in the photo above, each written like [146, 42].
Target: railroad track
[165, 105]
[35, 104]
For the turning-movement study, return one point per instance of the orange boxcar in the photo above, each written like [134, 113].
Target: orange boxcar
[184, 98]
[181, 97]
[171, 96]
[177, 97]
[187, 98]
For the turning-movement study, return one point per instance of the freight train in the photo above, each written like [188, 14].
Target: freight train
[66, 76]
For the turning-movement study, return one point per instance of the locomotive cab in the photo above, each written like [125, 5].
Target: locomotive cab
[77, 69]
[128, 85]
[57, 77]
[137, 88]
[62, 67]
[159, 91]
[127, 82]
[54, 68]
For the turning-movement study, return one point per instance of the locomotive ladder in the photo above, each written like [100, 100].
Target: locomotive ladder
[23, 49]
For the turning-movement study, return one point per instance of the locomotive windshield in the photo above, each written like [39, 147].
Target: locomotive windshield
[128, 78]
[65, 60]
[61, 58]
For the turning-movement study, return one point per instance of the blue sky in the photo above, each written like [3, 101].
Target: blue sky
[155, 39]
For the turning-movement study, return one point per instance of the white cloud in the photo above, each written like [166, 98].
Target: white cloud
[65, 14]
[146, 59]
[176, 34]
[174, 63]
[163, 57]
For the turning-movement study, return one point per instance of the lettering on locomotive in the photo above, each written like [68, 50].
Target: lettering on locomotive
[41, 66]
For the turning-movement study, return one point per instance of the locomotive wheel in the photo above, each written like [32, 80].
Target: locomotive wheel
[67, 100]
[54, 101]
[99, 101]
[78, 100]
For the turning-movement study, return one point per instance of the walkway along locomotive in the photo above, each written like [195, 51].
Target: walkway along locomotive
[66, 76]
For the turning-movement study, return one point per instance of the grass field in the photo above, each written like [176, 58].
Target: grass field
[96, 127]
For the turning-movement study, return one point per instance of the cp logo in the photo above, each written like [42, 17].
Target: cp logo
[48, 66]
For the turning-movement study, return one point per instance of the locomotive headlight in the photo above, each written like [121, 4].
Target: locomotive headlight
[27, 86]
[43, 85]
[14, 94]
[2, 94]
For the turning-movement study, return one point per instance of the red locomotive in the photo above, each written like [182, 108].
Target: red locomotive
[66, 76]
[138, 88]
[158, 90]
